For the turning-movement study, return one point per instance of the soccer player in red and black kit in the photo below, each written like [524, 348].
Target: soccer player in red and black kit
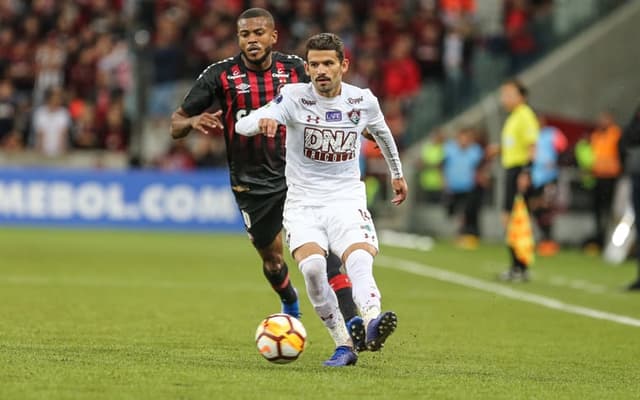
[241, 84]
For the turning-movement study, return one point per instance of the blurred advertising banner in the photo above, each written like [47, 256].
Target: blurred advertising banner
[118, 199]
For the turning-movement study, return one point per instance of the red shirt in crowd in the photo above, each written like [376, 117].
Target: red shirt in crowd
[401, 78]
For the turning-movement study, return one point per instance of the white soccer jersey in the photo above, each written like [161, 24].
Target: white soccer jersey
[323, 141]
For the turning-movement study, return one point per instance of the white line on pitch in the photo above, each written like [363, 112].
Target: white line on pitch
[464, 280]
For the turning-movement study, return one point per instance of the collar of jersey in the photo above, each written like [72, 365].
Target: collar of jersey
[244, 63]
[326, 100]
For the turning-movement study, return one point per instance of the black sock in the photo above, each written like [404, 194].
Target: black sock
[281, 284]
[341, 285]
[345, 301]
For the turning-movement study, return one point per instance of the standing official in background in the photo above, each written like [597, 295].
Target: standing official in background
[519, 136]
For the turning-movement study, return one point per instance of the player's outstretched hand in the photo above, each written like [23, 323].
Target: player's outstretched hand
[205, 122]
[400, 190]
[268, 126]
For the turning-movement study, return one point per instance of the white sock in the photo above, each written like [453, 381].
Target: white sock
[323, 299]
[359, 267]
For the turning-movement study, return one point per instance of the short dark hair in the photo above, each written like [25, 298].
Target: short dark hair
[257, 13]
[522, 89]
[326, 41]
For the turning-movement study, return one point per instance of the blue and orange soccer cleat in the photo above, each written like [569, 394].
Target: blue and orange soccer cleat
[355, 327]
[343, 356]
[379, 330]
[292, 309]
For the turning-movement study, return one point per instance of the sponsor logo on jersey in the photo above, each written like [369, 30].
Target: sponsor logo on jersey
[306, 102]
[280, 74]
[356, 100]
[237, 75]
[354, 116]
[278, 99]
[333, 116]
[312, 118]
[329, 145]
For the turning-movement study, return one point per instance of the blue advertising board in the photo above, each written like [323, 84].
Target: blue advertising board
[142, 199]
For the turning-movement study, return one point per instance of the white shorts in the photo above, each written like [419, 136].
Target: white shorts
[334, 227]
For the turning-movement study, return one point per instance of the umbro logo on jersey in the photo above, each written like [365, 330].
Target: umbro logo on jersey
[243, 88]
[311, 118]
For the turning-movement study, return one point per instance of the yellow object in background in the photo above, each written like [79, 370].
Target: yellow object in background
[520, 233]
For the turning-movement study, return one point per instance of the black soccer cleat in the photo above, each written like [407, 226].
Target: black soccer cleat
[379, 330]
[355, 326]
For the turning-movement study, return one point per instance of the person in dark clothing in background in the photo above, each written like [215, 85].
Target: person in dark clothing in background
[629, 147]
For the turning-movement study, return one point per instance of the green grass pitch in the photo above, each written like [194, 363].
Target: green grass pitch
[139, 315]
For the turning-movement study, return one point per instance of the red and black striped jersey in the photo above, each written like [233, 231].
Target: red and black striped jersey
[256, 164]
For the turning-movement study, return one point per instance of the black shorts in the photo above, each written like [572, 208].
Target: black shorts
[262, 216]
[511, 187]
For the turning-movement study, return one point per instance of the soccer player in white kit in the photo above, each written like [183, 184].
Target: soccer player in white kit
[326, 202]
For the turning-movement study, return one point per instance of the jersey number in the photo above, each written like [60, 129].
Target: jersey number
[242, 114]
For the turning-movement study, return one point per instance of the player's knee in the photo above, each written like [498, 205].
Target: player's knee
[365, 247]
[313, 269]
[273, 263]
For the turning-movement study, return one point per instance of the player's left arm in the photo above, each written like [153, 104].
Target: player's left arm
[367, 135]
[380, 131]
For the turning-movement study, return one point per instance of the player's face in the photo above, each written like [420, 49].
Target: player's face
[325, 70]
[256, 38]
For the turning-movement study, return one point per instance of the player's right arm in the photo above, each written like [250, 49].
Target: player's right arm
[265, 119]
[182, 124]
[257, 122]
[192, 114]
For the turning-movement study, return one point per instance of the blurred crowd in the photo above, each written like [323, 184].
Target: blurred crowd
[64, 75]
[67, 72]
[396, 48]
